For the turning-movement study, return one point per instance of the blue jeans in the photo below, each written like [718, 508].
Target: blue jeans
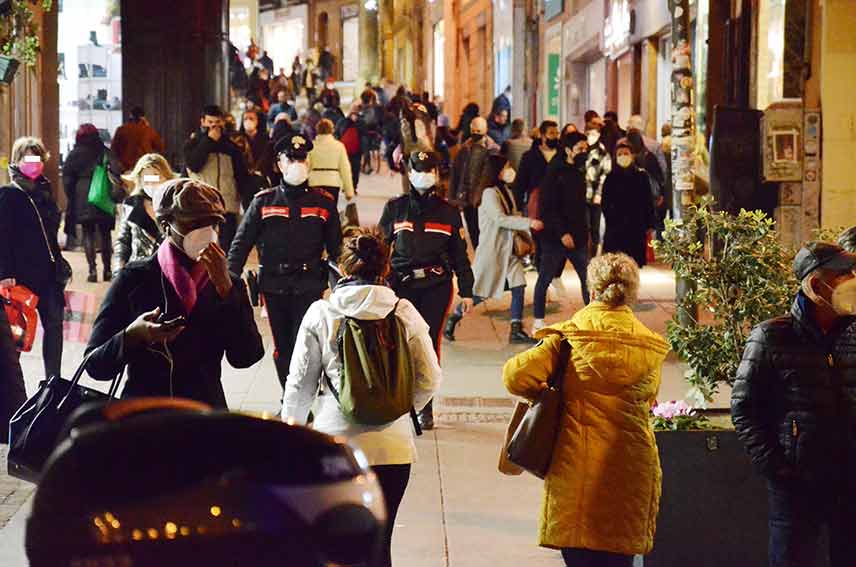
[551, 260]
[798, 509]
[517, 295]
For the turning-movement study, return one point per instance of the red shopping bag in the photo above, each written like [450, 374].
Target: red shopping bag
[80, 311]
[20, 305]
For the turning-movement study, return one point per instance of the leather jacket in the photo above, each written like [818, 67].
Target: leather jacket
[794, 398]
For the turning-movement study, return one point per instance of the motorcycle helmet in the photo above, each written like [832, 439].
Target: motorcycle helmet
[164, 483]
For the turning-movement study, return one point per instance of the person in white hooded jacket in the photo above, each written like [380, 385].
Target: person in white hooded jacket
[361, 294]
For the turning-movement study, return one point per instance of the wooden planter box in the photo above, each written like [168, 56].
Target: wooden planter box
[713, 512]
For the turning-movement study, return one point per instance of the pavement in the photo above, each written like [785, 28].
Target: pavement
[458, 510]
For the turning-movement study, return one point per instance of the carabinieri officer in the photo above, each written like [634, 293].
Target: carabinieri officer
[292, 225]
[426, 234]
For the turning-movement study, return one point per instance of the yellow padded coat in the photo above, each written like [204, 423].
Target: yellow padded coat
[602, 491]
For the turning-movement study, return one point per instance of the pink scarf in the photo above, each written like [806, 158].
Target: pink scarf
[186, 284]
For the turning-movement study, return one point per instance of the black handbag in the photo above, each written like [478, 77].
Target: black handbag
[35, 427]
[531, 446]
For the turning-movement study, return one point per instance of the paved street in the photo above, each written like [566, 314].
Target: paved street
[458, 510]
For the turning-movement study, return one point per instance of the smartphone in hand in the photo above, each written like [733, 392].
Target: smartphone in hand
[170, 324]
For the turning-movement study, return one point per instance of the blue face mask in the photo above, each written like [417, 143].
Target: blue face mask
[422, 181]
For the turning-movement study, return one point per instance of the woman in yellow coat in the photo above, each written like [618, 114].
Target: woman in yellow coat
[602, 492]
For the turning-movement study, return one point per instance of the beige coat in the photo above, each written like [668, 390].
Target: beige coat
[329, 165]
[602, 491]
[495, 262]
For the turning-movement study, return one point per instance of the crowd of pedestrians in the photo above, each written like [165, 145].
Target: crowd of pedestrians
[284, 184]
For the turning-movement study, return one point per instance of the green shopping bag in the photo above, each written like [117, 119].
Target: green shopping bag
[99, 189]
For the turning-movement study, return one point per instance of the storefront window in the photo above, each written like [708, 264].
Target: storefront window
[90, 78]
[350, 48]
[771, 50]
[439, 61]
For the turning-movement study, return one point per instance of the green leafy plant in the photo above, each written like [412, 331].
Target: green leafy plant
[741, 276]
[19, 32]
[828, 234]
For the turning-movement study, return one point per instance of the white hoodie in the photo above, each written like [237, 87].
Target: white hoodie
[316, 350]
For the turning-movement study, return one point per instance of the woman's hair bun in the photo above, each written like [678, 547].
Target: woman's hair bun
[365, 254]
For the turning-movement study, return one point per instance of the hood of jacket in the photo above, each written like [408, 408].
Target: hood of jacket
[363, 301]
[611, 343]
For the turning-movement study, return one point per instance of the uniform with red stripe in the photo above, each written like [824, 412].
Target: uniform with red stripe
[427, 238]
[292, 226]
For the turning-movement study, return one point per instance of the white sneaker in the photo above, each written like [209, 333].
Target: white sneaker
[537, 325]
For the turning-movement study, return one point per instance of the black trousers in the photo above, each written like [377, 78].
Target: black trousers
[393, 480]
[286, 311]
[594, 212]
[433, 304]
[228, 230]
[356, 161]
[577, 557]
[471, 215]
[51, 312]
[91, 230]
[12, 391]
[552, 259]
[798, 510]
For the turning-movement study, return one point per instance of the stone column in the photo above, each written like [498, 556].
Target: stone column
[386, 40]
[369, 52]
[175, 61]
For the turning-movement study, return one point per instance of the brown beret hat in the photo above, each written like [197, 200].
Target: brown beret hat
[188, 200]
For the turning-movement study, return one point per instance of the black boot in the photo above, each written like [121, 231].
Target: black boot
[426, 417]
[93, 276]
[518, 336]
[451, 323]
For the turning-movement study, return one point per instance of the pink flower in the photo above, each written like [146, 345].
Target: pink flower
[672, 409]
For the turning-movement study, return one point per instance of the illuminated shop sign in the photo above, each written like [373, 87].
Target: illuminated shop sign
[618, 27]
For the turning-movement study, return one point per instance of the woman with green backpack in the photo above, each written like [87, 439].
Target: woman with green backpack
[371, 356]
[92, 195]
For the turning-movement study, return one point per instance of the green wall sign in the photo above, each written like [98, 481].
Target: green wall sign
[553, 62]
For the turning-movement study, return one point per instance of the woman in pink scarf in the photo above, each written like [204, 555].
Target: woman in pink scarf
[172, 317]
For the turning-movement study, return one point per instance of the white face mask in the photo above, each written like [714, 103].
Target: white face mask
[422, 180]
[844, 298]
[593, 137]
[151, 184]
[196, 241]
[294, 172]
[624, 160]
[508, 175]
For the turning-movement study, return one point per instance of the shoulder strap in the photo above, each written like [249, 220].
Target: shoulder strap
[556, 379]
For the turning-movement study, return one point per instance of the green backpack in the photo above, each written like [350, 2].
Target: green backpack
[377, 370]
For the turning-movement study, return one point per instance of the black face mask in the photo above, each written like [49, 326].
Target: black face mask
[552, 143]
[477, 137]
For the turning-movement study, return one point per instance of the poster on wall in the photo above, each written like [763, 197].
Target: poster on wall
[553, 63]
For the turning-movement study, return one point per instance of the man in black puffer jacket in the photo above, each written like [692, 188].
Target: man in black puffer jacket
[794, 407]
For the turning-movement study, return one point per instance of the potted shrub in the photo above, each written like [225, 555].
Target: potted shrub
[19, 36]
[714, 505]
